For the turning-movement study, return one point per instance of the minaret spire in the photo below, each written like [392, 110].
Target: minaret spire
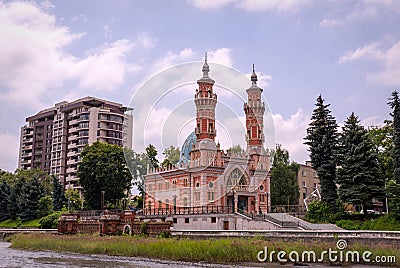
[254, 78]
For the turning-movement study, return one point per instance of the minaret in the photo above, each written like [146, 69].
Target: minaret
[205, 100]
[254, 109]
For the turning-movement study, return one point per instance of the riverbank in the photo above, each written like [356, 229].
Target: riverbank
[223, 251]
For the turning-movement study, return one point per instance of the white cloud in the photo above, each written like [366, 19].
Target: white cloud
[34, 58]
[254, 5]
[105, 69]
[360, 11]
[386, 56]
[221, 56]
[284, 6]
[290, 134]
[172, 58]
[209, 4]
[9, 145]
[375, 120]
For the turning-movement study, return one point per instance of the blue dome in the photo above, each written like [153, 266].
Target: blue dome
[187, 148]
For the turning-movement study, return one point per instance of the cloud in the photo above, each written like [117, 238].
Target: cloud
[35, 58]
[284, 6]
[290, 134]
[209, 4]
[221, 56]
[360, 11]
[386, 56]
[172, 58]
[105, 69]
[9, 145]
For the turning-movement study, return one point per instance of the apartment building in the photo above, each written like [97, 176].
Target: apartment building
[53, 139]
[308, 181]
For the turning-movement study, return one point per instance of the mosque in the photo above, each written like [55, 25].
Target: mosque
[208, 179]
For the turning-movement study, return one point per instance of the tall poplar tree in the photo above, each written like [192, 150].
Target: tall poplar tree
[322, 141]
[284, 188]
[359, 175]
[394, 103]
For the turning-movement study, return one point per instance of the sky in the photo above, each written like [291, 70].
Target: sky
[348, 51]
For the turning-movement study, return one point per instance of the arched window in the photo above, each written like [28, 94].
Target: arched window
[234, 178]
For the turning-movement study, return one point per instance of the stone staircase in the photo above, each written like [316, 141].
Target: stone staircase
[283, 221]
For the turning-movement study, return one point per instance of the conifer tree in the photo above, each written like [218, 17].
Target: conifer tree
[322, 141]
[5, 191]
[31, 193]
[359, 175]
[58, 194]
[394, 103]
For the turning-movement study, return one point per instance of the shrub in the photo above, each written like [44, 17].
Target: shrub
[164, 234]
[50, 221]
[143, 228]
[348, 225]
[319, 211]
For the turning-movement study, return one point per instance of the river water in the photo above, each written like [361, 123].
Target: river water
[20, 258]
[10, 258]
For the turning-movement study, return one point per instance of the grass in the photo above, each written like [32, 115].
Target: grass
[20, 224]
[228, 251]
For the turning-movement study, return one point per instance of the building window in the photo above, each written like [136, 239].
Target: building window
[213, 219]
[210, 196]
[159, 204]
[185, 201]
[175, 220]
[314, 174]
[315, 185]
[262, 198]
[185, 182]
[304, 173]
[186, 220]
[160, 186]
[304, 184]
[166, 185]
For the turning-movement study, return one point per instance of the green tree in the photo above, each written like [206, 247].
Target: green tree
[32, 191]
[172, 155]
[5, 192]
[359, 176]
[137, 164]
[74, 200]
[151, 152]
[394, 103]
[284, 188]
[58, 194]
[45, 206]
[103, 168]
[382, 138]
[319, 211]
[235, 149]
[322, 141]
[393, 196]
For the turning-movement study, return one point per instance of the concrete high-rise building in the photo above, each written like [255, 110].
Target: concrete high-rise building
[53, 139]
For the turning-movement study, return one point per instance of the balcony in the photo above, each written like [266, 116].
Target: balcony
[73, 129]
[38, 152]
[26, 162]
[26, 155]
[72, 153]
[72, 137]
[27, 147]
[72, 162]
[27, 140]
[72, 145]
[71, 169]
